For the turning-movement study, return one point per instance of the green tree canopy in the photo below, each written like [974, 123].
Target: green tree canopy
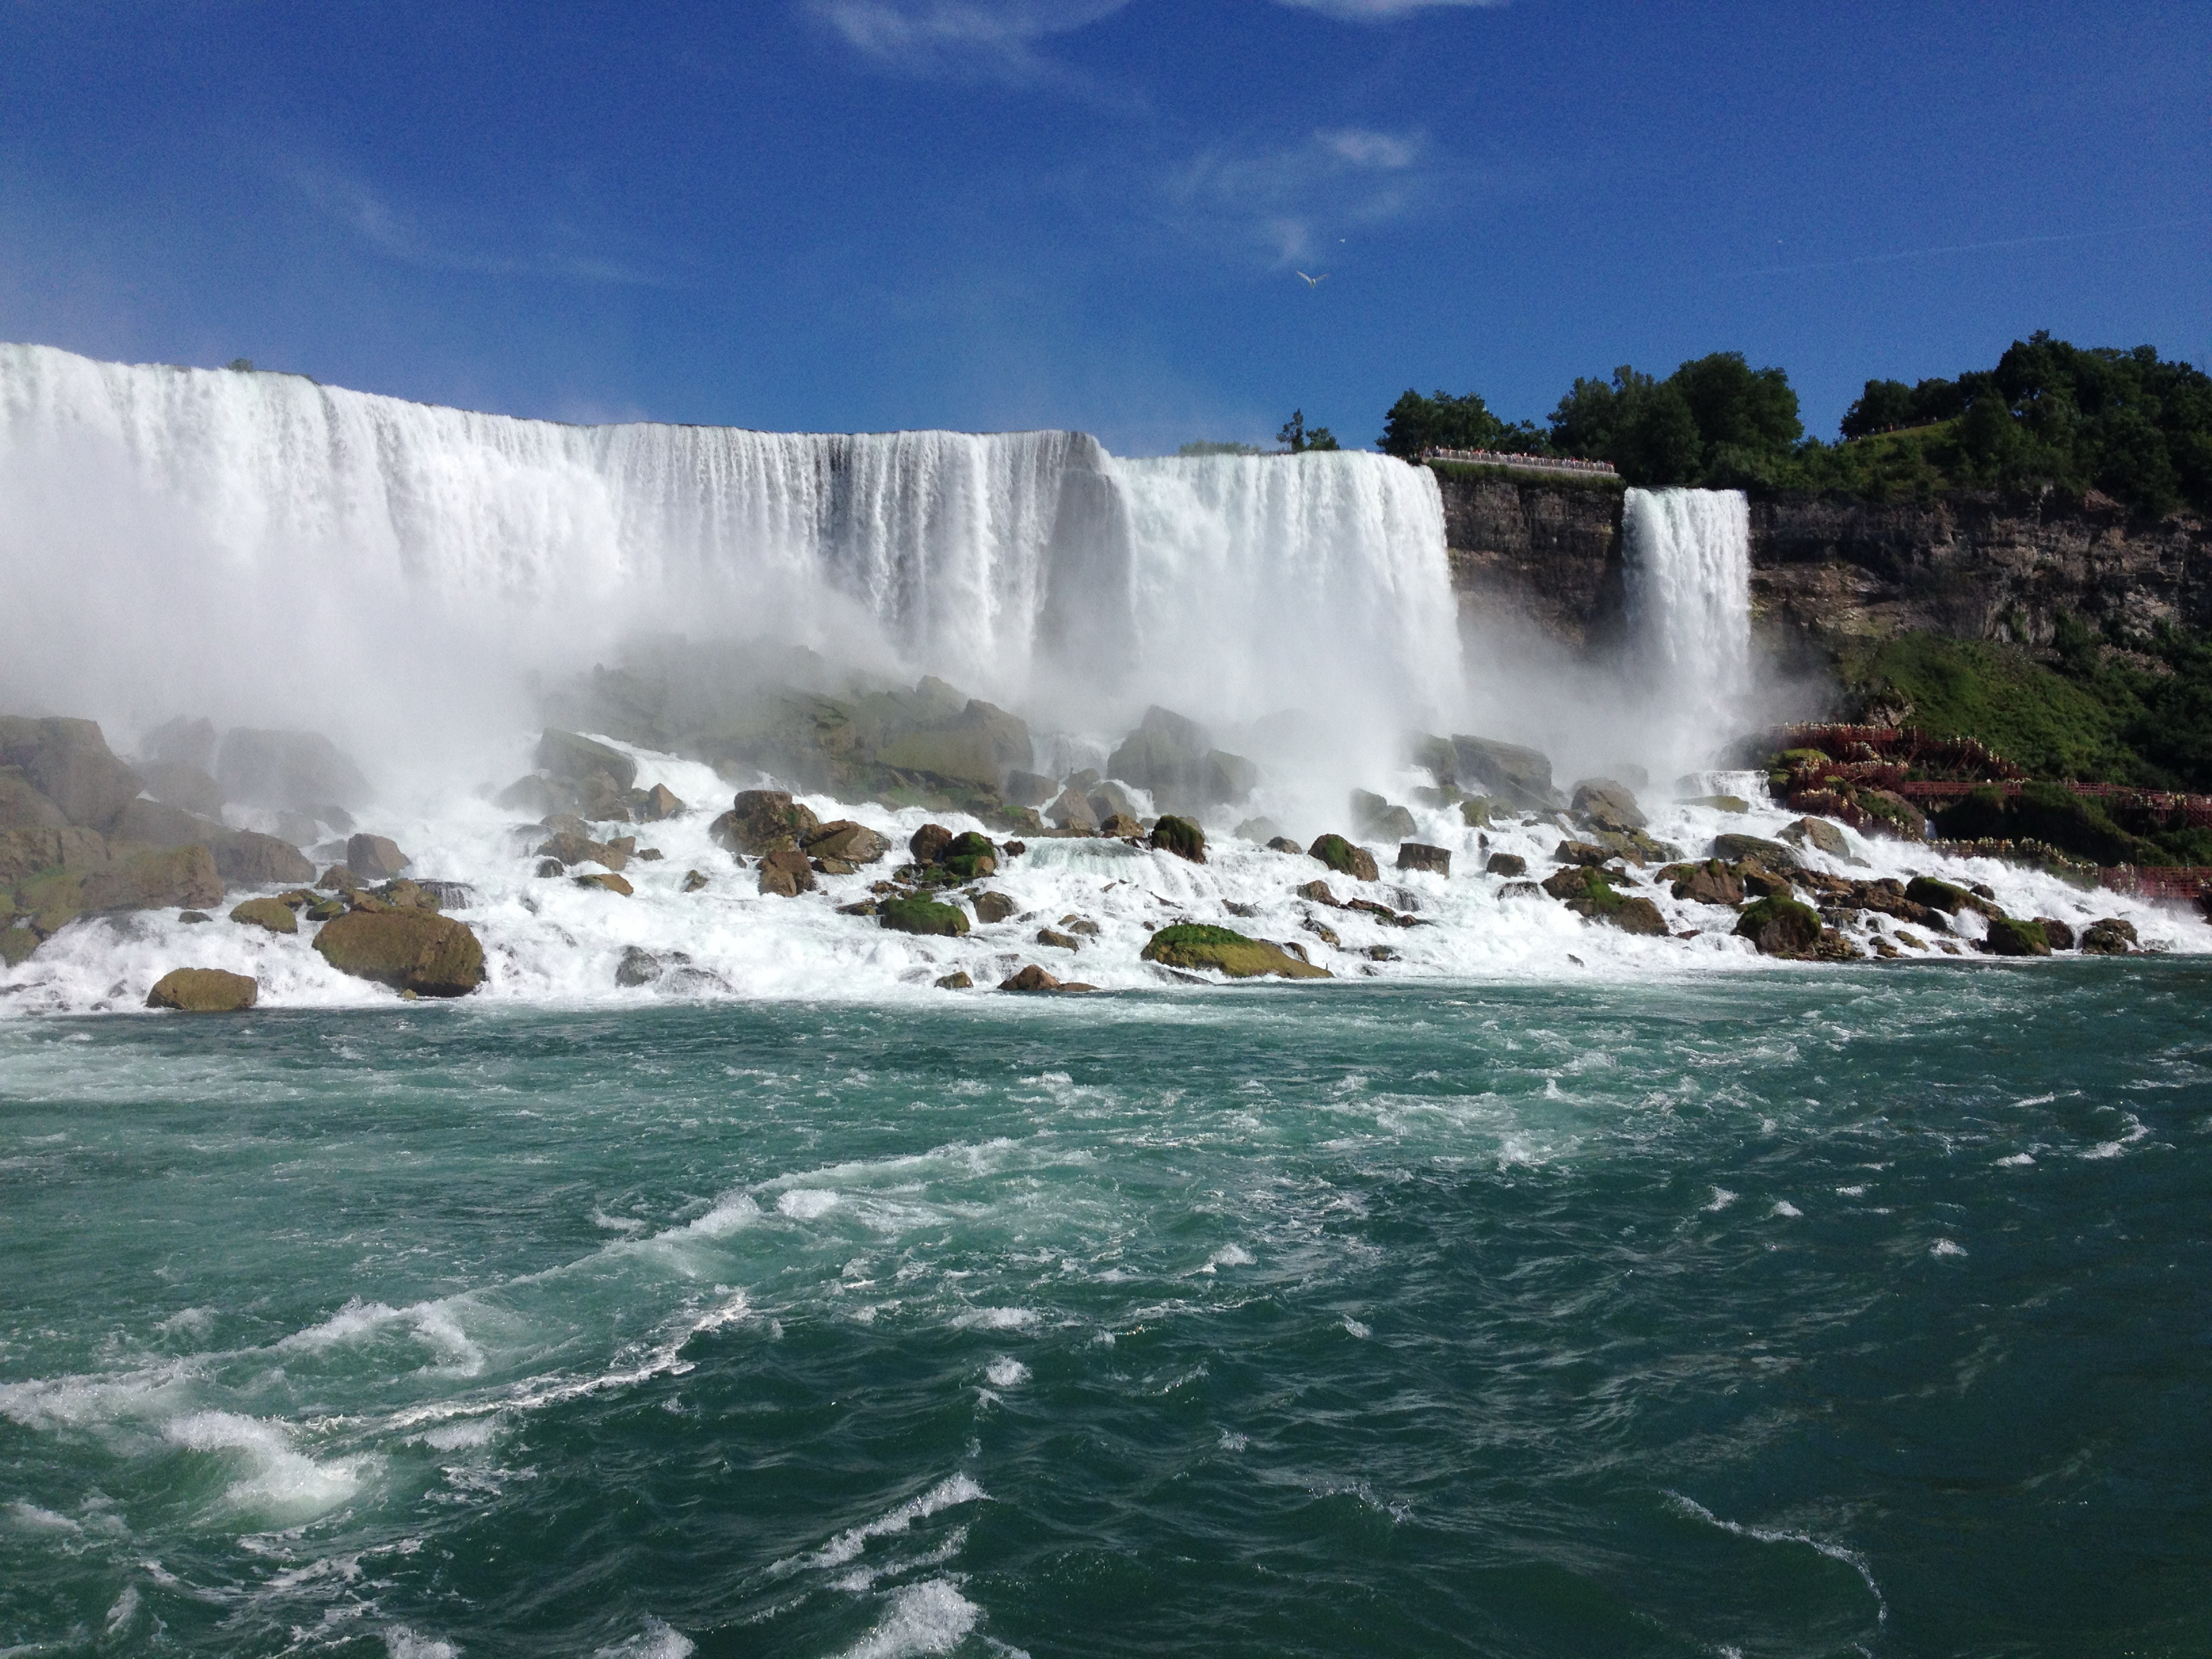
[1415, 424]
[1297, 437]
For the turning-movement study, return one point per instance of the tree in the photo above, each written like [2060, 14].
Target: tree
[1297, 438]
[1216, 446]
[1750, 408]
[1884, 406]
[1416, 424]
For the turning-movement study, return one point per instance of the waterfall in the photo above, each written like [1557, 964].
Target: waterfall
[1688, 569]
[249, 537]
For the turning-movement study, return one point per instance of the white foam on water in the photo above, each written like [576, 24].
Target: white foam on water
[1722, 1199]
[931, 1617]
[401, 1642]
[1786, 1210]
[1851, 1558]
[278, 1479]
[948, 1493]
[656, 1641]
[31, 1518]
[1943, 1246]
[1005, 1372]
[2016, 1161]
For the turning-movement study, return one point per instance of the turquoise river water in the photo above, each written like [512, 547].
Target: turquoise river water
[1797, 1313]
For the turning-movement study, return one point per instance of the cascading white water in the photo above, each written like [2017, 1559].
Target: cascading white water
[284, 538]
[1688, 570]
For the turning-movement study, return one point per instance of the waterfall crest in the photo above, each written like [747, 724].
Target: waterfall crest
[1688, 576]
[210, 504]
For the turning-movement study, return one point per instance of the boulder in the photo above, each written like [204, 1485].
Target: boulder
[204, 991]
[914, 914]
[539, 796]
[183, 741]
[2009, 937]
[1058, 941]
[17, 944]
[168, 878]
[935, 733]
[1343, 857]
[1318, 892]
[1032, 978]
[641, 967]
[1608, 805]
[660, 804]
[252, 859]
[1780, 927]
[1507, 864]
[695, 881]
[1479, 813]
[1180, 836]
[1585, 853]
[1636, 915]
[607, 881]
[927, 844]
[23, 807]
[296, 769]
[1285, 844]
[994, 907]
[1110, 800]
[2056, 933]
[69, 763]
[1122, 826]
[2111, 937]
[417, 951]
[1520, 778]
[184, 786]
[149, 824]
[786, 872]
[1028, 788]
[1820, 834]
[377, 858]
[1944, 896]
[847, 842]
[1372, 815]
[956, 982]
[572, 755]
[1591, 894]
[1833, 946]
[760, 820]
[1771, 854]
[272, 914]
[970, 856]
[1416, 855]
[1071, 811]
[1710, 882]
[1719, 803]
[1198, 945]
[1259, 831]
[1173, 758]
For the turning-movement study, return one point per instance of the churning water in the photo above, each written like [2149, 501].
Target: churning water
[1825, 1314]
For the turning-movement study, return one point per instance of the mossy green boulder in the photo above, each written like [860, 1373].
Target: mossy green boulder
[970, 856]
[204, 991]
[1182, 837]
[1199, 945]
[272, 914]
[1345, 858]
[16, 944]
[417, 951]
[2011, 938]
[1780, 927]
[915, 915]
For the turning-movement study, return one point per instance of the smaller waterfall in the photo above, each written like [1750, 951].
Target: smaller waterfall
[1688, 569]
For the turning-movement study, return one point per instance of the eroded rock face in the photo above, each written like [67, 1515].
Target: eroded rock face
[1173, 758]
[377, 858]
[170, 878]
[417, 951]
[252, 859]
[1608, 805]
[180, 785]
[70, 763]
[204, 991]
[23, 807]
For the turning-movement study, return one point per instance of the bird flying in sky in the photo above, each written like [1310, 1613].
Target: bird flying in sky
[1314, 282]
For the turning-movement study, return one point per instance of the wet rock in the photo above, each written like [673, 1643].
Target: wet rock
[1285, 844]
[1608, 805]
[928, 843]
[2010, 938]
[915, 914]
[970, 856]
[1760, 883]
[1519, 890]
[193, 918]
[417, 951]
[1586, 853]
[294, 769]
[339, 879]
[848, 843]
[1833, 946]
[1032, 978]
[1771, 855]
[1520, 778]
[1321, 931]
[976, 742]
[1416, 856]
[326, 909]
[1948, 899]
[267, 913]
[760, 820]
[1507, 864]
[1480, 812]
[1180, 836]
[1238, 909]
[69, 763]
[956, 982]
[607, 881]
[1197, 945]
[251, 859]
[185, 741]
[578, 758]
[785, 872]
[641, 967]
[1345, 858]
[185, 787]
[1709, 883]
[1260, 831]
[1173, 758]
[170, 878]
[1071, 811]
[376, 858]
[1122, 826]
[23, 807]
[994, 907]
[204, 991]
[695, 881]
[1028, 788]
[1372, 815]
[2056, 933]
[1820, 834]
[2111, 937]
[1886, 897]
[1058, 941]
[539, 796]
[1108, 800]
[1780, 927]
[1320, 893]
[660, 804]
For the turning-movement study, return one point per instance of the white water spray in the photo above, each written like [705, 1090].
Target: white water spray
[1688, 570]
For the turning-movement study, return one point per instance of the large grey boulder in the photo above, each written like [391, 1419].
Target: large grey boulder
[183, 741]
[1520, 777]
[68, 762]
[578, 758]
[23, 807]
[1374, 816]
[1174, 757]
[300, 770]
[174, 783]
[1609, 805]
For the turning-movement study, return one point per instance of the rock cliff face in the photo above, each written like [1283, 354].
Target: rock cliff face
[1969, 565]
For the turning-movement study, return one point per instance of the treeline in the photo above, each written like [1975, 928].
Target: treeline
[2049, 415]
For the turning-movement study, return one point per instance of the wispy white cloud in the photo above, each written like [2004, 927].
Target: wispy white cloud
[1285, 200]
[372, 217]
[999, 39]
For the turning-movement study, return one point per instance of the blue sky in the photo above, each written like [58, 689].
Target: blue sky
[985, 214]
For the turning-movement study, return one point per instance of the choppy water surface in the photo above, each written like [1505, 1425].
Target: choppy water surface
[1801, 1313]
